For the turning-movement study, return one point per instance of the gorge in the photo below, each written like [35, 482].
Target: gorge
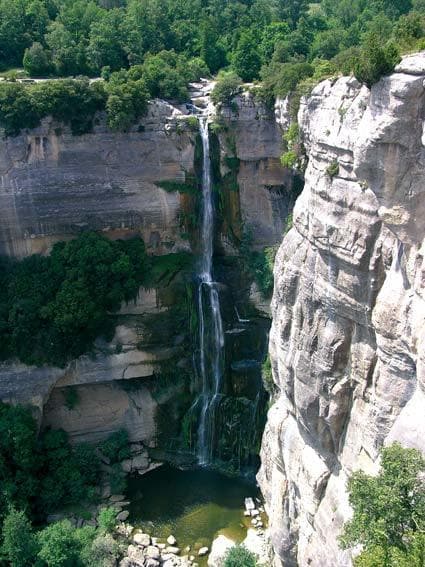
[182, 373]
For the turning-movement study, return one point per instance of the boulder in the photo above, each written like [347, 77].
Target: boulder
[153, 552]
[171, 540]
[122, 516]
[203, 551]
[142, 539]
[219, 548]
[172, 549]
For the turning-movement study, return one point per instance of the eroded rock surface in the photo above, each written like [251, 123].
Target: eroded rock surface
[348, 336]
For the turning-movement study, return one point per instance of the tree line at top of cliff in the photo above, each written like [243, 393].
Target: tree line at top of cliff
[281, 42]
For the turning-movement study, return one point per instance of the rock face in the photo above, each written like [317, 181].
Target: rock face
[55, 185]
[348, 336]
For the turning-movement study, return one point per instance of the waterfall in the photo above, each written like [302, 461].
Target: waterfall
[211, 337]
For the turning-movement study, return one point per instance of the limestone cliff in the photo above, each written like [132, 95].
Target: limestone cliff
[144, 182]
[347, 341]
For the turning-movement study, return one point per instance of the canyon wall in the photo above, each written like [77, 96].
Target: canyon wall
[146, 182]
[347, 342]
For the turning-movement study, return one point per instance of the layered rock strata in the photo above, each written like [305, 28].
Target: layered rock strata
[143, 182]
[347, 341]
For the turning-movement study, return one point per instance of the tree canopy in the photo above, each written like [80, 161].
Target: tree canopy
[389, 511]
[52, 308]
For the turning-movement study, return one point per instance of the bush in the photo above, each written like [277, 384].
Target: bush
[375, 61]
[267, 376]
[117, 446]
[106, 519]
[103, 552]
[289, 159]
[239, 556]
[283, 78]
[333, 169]
[227, 87]
[61, 544]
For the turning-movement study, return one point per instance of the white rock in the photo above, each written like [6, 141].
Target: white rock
[152, 552]
[203, 551]
[219, 548]
[171, 540]
[142, 539]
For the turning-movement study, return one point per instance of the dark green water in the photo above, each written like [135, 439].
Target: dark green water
[194, 506]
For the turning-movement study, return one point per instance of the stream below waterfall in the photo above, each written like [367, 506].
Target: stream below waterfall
[194, 506]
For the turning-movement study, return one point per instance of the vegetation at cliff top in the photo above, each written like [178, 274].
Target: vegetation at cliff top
[52, 308]
[288, 44]
[389, 511]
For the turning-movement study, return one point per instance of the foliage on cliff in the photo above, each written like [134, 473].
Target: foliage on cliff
[389, 511]
[53, 308]
[41, 474]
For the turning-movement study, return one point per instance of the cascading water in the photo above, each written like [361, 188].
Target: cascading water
[211, 337]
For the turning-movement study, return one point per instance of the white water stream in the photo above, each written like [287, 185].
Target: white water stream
[211, 336]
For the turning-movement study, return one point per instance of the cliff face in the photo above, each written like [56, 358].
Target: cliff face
[54, 185]
[347, 342]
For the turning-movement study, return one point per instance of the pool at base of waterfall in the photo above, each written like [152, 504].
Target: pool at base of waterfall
[192, 505]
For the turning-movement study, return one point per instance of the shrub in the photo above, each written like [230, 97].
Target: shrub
[106, 519]
[267, 375]
[116, 447]
[289, 159]
[333, 169]
[227, 87]
[375, 61]
[239, 556]
[117, 479]
[282, 78]
[61, 544]
[71, 397]
[103, 552]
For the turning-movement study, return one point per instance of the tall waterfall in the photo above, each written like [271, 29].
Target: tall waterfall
[211, 337]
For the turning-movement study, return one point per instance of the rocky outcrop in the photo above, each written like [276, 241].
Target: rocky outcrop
[348, 337]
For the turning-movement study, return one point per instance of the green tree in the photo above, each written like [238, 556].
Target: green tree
[211, 50]
[19, 542]
[227, 86]
[102, 552]
[16, 106]
[59, 546]
[246, 59]
[37, 60]
[106, 46]
[239, 556]
[389, 509]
